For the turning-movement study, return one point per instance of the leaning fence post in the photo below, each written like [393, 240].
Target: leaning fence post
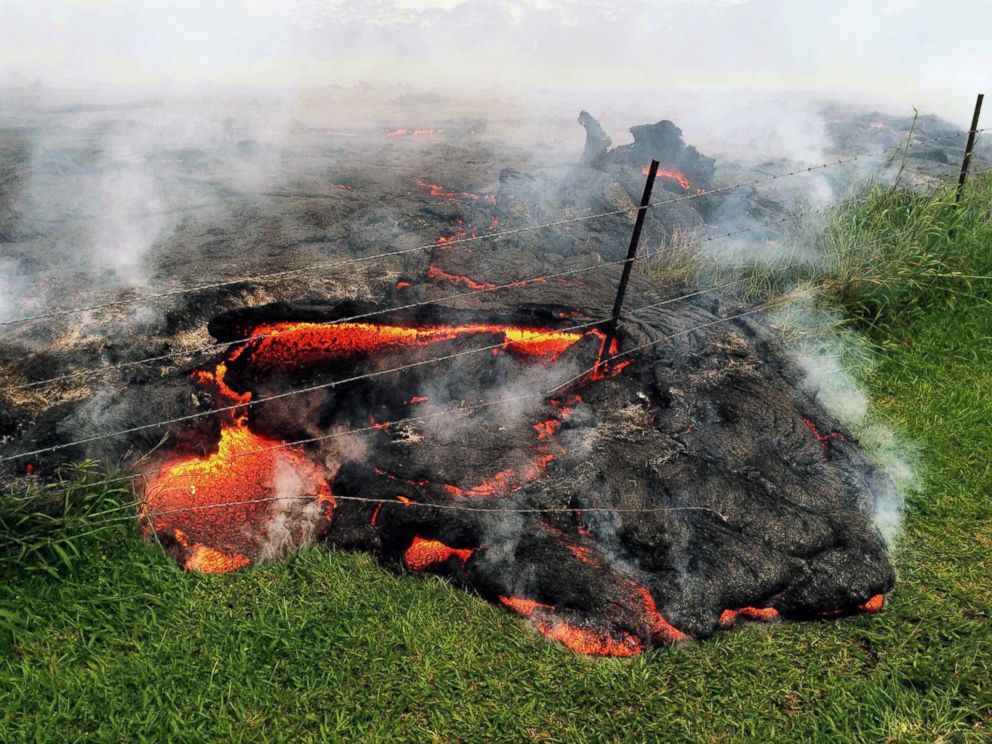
[969, 148]
[635, 238]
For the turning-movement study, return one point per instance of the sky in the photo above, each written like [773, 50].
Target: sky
[929, 53]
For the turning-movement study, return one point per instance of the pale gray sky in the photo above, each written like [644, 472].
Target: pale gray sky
[931, 53]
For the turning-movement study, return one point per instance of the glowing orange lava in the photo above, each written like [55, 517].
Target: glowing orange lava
[583, 553]
[661, 629]
[670, 174]
[546, 429]
[587, 641]
[525, 607]
[291, 345]
[728, 618]
[505, 481]
[438, 274]
[223, 501]
[438, 191]
[208, 560]
[423, 554]
[873, 605]
[580, 639]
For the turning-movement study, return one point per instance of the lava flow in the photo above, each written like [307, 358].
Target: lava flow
[251, 496]
[288, 346]
[402, 489]
[225, 509]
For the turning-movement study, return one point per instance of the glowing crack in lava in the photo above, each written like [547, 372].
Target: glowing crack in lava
[579, 635]
[438, 191]
[291, 345]
[824, 439]
[437, 274]
[671, 174]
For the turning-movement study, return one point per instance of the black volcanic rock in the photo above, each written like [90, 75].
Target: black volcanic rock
[616, 513]
[663, 142]
[597, 141]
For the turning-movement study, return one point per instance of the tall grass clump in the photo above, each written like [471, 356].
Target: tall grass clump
[889, 254]
[880, 257]
[45, 531]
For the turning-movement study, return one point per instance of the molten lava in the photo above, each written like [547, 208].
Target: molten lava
[289, 346]
[671, 174]
[208, 560]
[824, 439]
[728, 618]
[594, 642]
[438, 274]
[424, 554]
[223, 502]
[250, 495]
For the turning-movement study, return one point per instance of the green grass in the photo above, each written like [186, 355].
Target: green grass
[126, 647]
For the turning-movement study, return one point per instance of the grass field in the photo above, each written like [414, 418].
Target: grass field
[123, 646]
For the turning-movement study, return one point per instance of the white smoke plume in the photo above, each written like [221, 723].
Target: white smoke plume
[833, 358]
[294, 518]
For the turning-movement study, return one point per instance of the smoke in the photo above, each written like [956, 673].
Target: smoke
[9, 279]
[834, 360]
[341, 447]
[103, 190]
[293, 522]
[517, 388]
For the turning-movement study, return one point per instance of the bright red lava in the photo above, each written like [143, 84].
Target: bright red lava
[824, 439]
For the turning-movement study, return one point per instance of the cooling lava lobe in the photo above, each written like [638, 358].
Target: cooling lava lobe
[618, 495]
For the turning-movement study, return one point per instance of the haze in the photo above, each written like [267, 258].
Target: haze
[908, 53]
